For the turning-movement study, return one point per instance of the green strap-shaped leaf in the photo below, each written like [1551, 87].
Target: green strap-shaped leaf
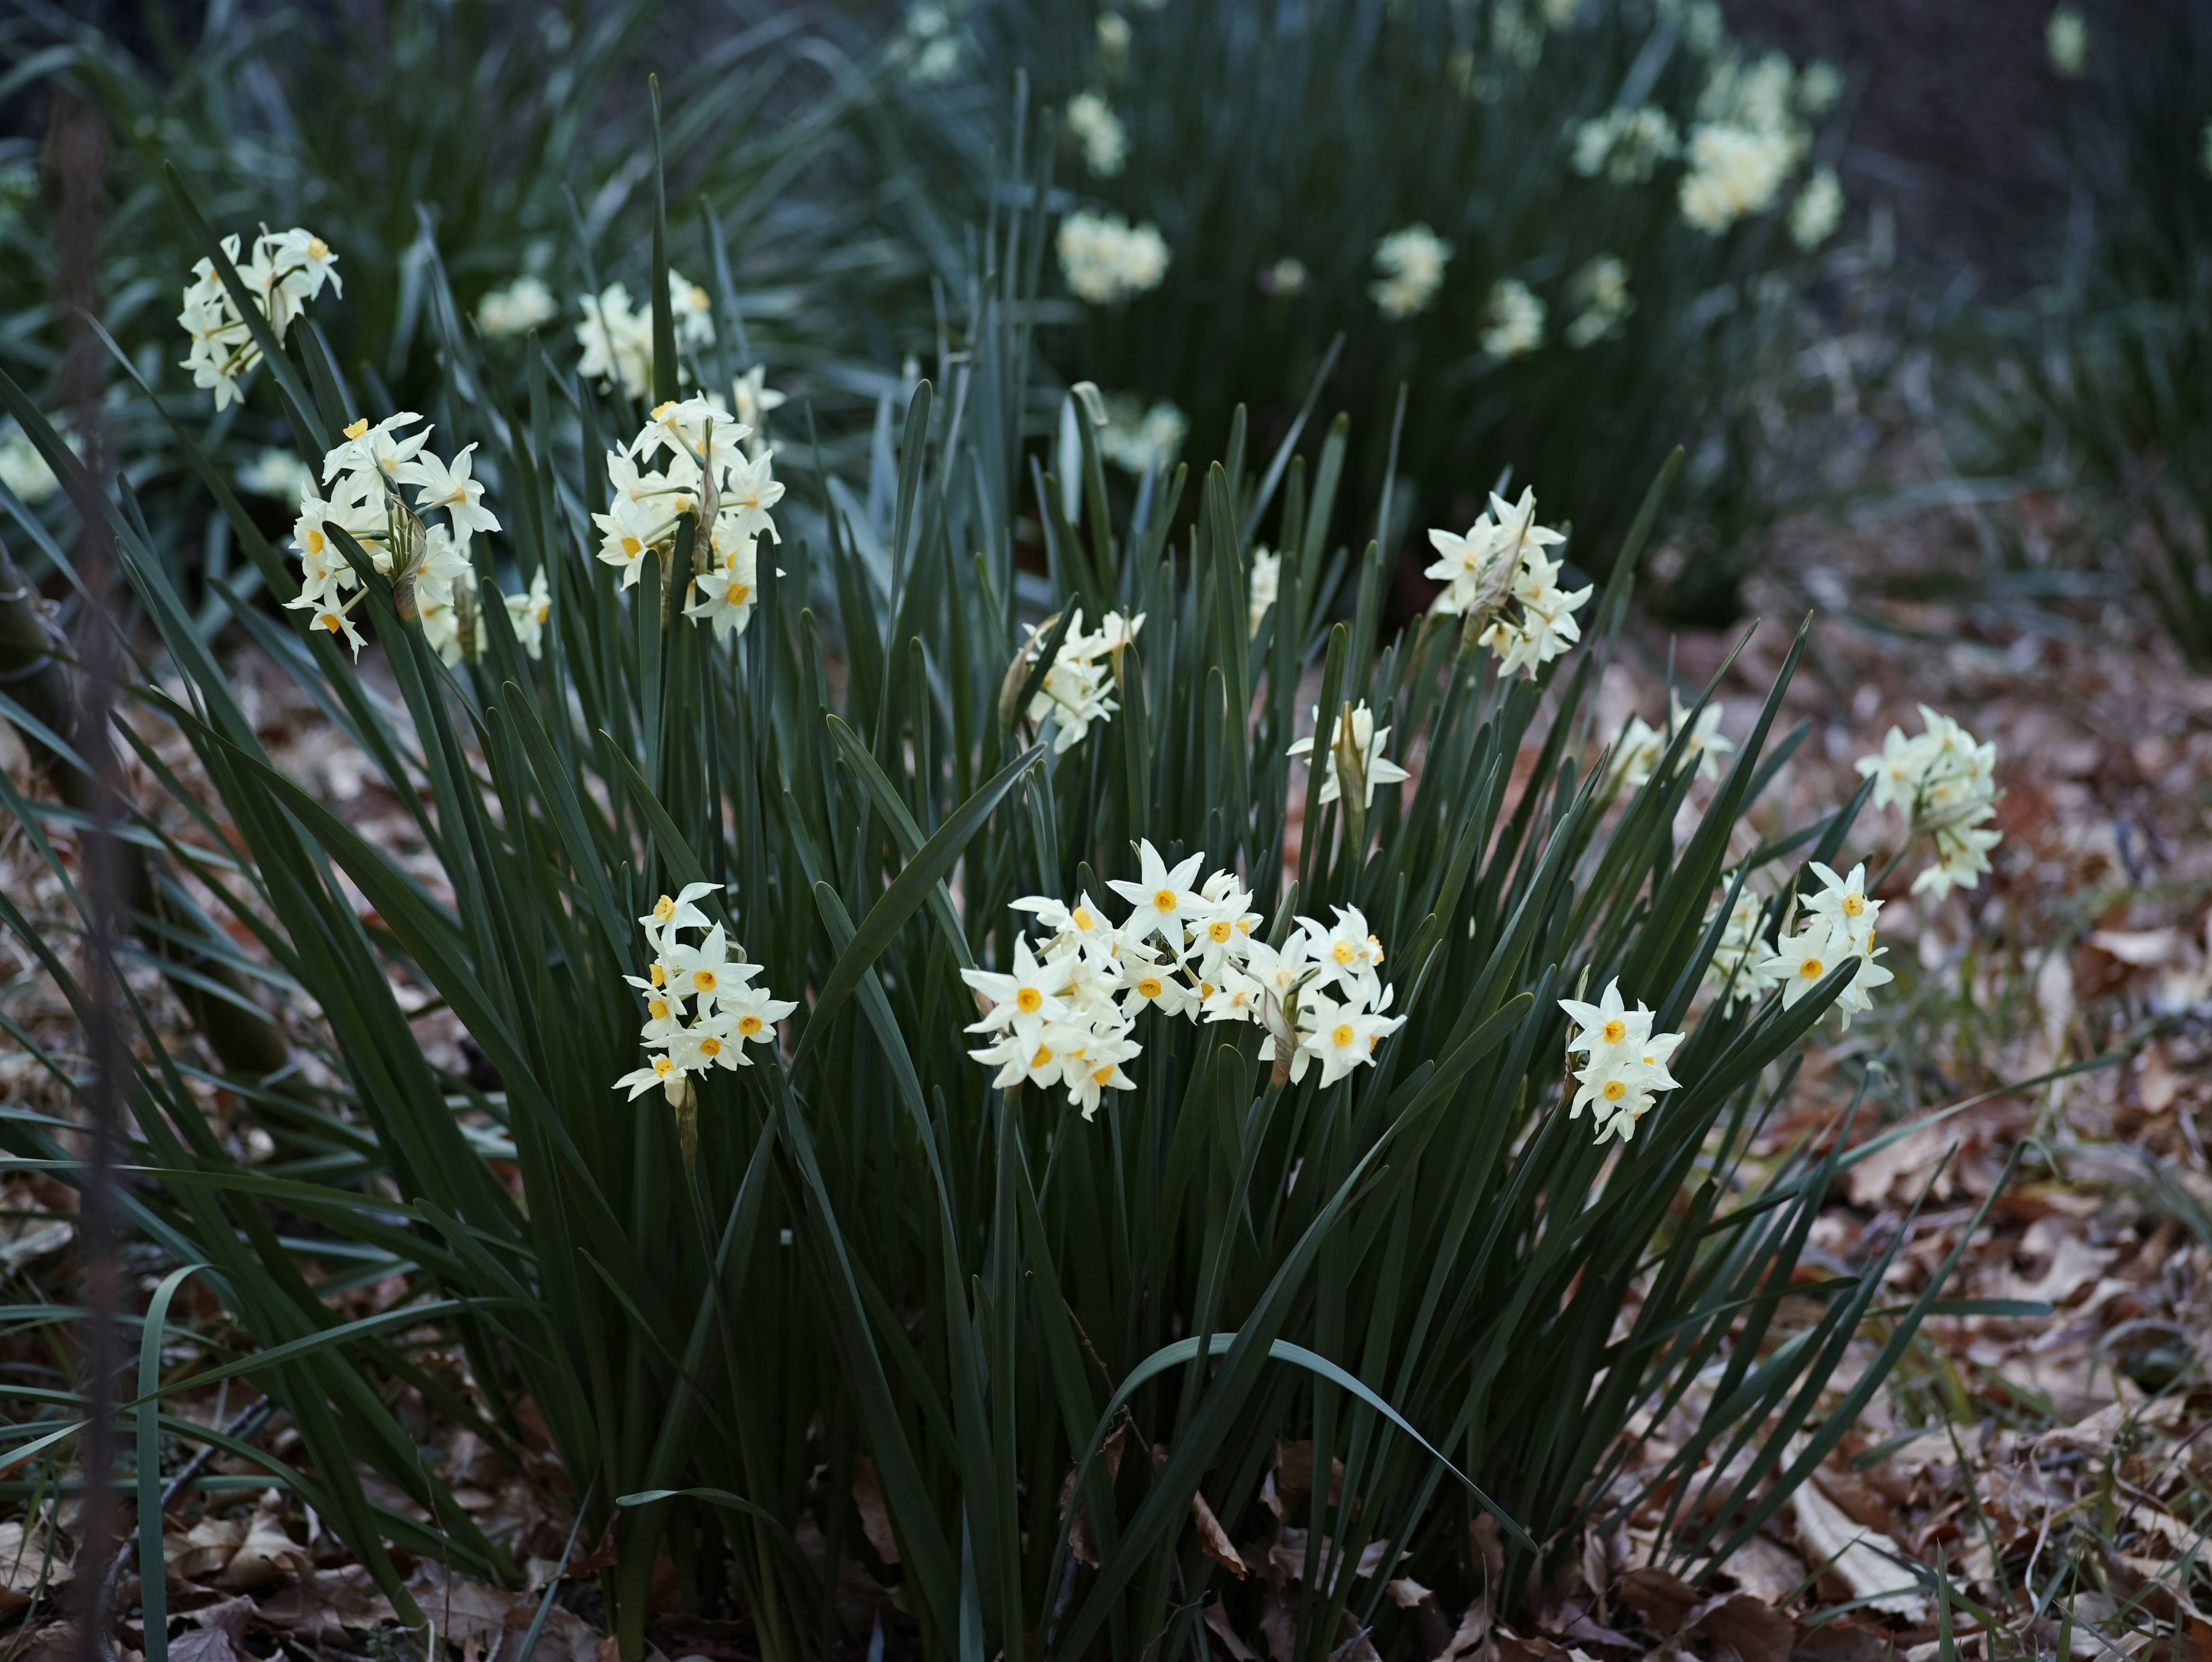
[908, 890]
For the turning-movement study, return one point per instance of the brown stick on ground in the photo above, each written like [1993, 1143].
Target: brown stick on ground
[34, 673]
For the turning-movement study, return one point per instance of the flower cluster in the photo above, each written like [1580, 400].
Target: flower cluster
[1624, 1062]
[1600, 290]
[1266, 587]
[1734, 172]
[286, 269]
[708, 478]
[431, 573]
[1365, 752]
[1106, 259]
[700, 1009]
[617, 339]
[931, 46]
[1626, 145]
[1140, 441]
[1078, 690]
[1099, 131]
[2066, 37]
[1817, 212]
[278, 475]
[1749, 138]
[1945, 784]
[1410, 265]
[1739, 974]
[23, 468]
[1640, 747]
[526, 304]
[1838, 925]
[1512, 319]
[1067, 1018]
[1501, 560]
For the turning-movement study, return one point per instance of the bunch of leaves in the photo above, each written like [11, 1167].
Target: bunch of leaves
[487, 141]
[1257, 135]
[886, 1321]
[2102, 381]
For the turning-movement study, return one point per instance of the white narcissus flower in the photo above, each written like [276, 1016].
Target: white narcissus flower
[726, 592]
[1514, 319]
[283, 271]
[1099, 131]
[701, 1008]
[432, 579]
[1025, 1001]
[2066, 36]
[1638, 751]
[1736, 172]
[1368, 741]
[1411, 266]
[450, 486]
[1076, 692]
[1740, 973]
[1141, 441]
[1106, 260]
[1817, 212]
[1800, 961]
[523, 305]
[1342, 1036]
[751, 398]
[1265, 588]
[526, 614]
[1946, 782]
[1626, 1067]
[1068, 1018]
[1162, 895]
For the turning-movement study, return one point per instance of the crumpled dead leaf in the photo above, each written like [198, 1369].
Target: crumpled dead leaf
[1212, 1539]
[22, 1561]
[875, 1517]
[1827, 1535]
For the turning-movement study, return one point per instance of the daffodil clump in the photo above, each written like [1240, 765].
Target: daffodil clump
[432, 579]
[616, 337]
[709, 481]
[285, 271]
[701, 1008]
[1945, 784]
[1500, 561]
[1076, 693]
[1624, 1071]
[1067, 1018]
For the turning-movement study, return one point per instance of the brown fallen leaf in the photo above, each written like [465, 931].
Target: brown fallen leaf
[875, 1517]
[323, 1603]
[204, 1645]
[1827, 1535]
[267, 1557]
[1663, 1599]
[22, 1563]
[1750, 1626]
[1212, 1539]
[204, 1550]
[1217, 1623]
